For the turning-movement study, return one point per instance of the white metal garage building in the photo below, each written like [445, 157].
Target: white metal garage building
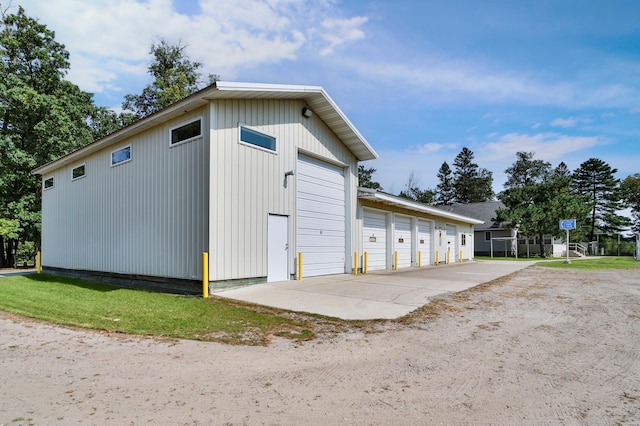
[262, 177]
[253, 174]
[414, 234]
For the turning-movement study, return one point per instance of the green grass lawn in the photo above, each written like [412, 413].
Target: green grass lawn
[594, 264]
[519, 259]
[80, 303]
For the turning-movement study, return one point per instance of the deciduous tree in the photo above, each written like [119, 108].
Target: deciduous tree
[537, 197]
[42, 117]
[631, 194]
[414, 192]
[175, 77]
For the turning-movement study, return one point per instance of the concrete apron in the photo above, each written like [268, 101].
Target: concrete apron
[377, 295]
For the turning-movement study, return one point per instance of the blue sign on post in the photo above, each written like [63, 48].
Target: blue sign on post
[568, 224]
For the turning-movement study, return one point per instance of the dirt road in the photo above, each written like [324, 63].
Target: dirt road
[540, 347]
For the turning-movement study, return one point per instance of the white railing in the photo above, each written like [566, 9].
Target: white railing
[579, 247]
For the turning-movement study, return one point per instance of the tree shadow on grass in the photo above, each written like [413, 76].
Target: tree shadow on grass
[76, 282]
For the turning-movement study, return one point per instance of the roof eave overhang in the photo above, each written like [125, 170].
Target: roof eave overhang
[314, 96]
[392, 200]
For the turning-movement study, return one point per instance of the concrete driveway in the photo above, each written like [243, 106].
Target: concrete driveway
[379, 294]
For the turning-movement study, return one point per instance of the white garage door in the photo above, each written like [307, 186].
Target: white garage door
[402, 240]
[374, 239]
[424, 241]
[452, 243]
[320, 217]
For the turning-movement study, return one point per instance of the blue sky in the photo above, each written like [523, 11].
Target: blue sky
[419, 79]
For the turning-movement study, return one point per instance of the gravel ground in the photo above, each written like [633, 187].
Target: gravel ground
[543, 346]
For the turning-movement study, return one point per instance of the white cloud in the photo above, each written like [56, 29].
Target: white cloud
[341, 31]
[434, 147]
[546, 146]
[437, 79]
[110, 39]
[568, 122]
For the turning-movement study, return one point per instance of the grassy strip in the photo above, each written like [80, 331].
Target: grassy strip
[593, 264]
[80, 303]
[512, 258]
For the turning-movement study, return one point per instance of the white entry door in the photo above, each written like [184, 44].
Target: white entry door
[278, 248]
[452, 243]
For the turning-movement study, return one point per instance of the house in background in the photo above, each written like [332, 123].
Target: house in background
[505, 240]
[263, 177]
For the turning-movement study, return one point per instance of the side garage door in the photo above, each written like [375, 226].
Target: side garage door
[402, 240]
[424, 241]
[374, 239]
[452, 243]
[320, 217]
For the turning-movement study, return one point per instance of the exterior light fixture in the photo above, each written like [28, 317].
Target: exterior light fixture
[306, 112]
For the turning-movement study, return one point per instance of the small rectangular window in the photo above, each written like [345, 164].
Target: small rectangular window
[463, 240]
[186, 132]
[48, 183]
[121, 156]
[487, 236]
[258, 139]
[78, 172]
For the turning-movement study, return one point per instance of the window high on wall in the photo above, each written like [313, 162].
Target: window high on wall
[186, 132]
[255, 138]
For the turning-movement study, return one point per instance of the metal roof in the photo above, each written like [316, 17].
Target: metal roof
[314, 96]
[485, 211]
[393, 200]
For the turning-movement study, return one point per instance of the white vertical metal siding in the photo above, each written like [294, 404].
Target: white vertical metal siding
[424, 241]
[144, 217]
[247, 184]
[374, 239]
[320, 214]
[402, 240]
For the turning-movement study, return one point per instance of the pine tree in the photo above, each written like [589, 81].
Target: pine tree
[365, 178]
[445, 191]
[471, 183]
[594, 181]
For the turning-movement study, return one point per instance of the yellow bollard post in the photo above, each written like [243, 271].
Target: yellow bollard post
[395, 260]
[419, 259]
[365, 263]
[460, 258]
[299, 266]
[448, 256]
[39, 261]
[355, 263]
[437, 257]
[205, 275]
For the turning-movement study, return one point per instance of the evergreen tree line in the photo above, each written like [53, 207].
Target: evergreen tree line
[43, 116]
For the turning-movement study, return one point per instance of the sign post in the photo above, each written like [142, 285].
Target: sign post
[567, 224]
